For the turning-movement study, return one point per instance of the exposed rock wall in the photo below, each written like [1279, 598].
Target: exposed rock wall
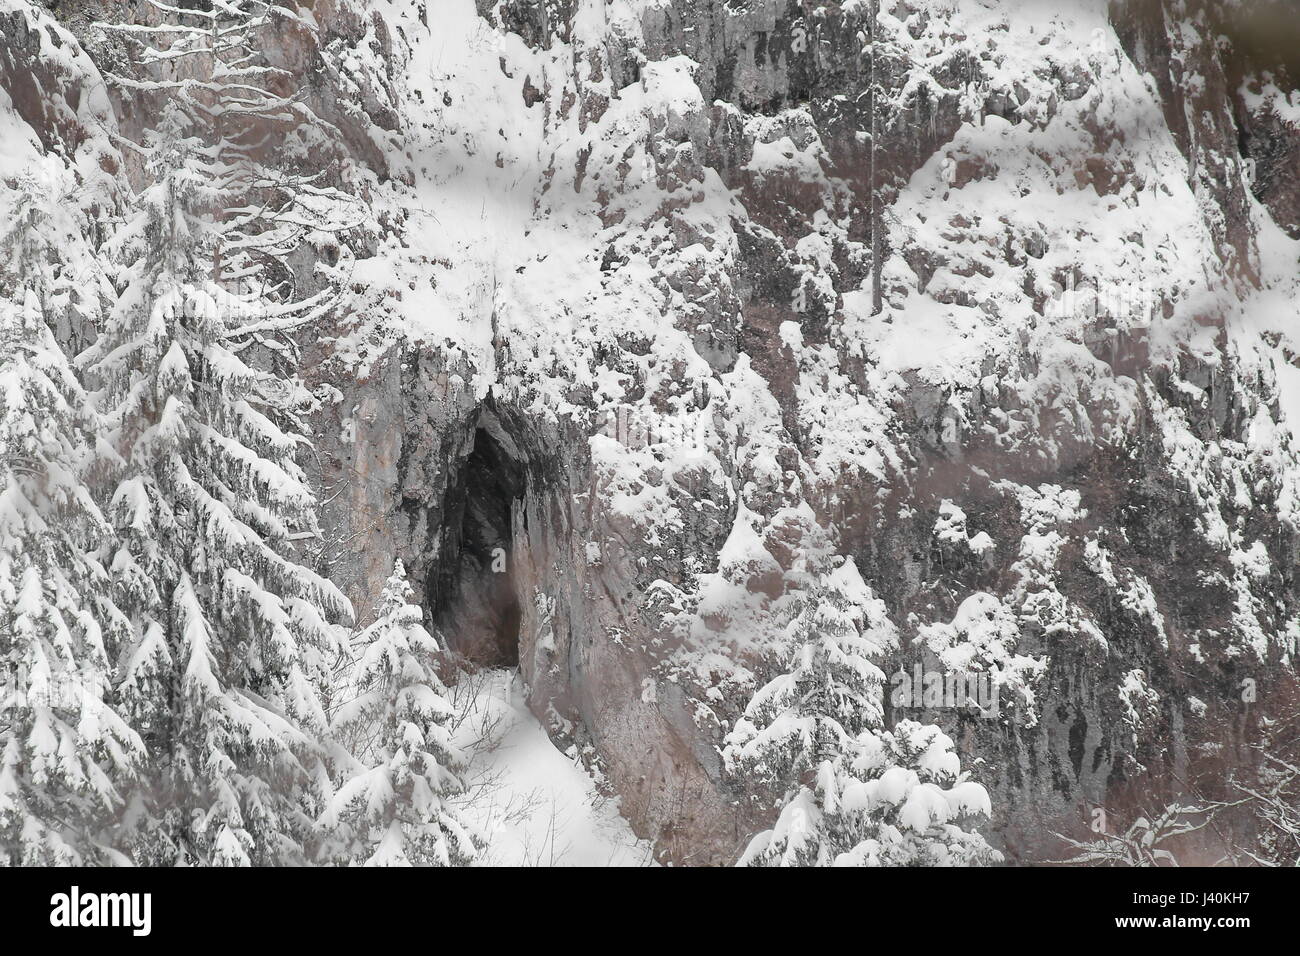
[634, 242]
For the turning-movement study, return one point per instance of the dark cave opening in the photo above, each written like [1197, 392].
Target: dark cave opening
[473, 600]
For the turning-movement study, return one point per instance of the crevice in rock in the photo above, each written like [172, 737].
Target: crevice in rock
[472, 596]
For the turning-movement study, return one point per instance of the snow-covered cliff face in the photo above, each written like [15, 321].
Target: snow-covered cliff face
[613, 315]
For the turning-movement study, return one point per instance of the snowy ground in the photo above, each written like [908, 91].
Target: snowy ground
[537, 806]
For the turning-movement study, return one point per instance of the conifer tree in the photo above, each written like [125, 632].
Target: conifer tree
[896, 798]
[831, 691]
[232, 634]
[850, 793]
[64, 749]
[392, 805]
[206, 62]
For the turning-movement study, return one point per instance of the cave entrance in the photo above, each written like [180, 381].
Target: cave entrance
[475, 603]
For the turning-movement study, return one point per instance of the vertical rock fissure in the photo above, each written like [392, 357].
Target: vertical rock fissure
[473, 598]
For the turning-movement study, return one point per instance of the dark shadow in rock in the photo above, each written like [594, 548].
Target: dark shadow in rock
[473, 600]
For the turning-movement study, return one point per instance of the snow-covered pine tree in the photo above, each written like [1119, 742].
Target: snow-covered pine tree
[800, 728]
[831, 691]
[908, 803]
[392, 803]
[849, 793]
[64, 750]
[233, 634]
[269, 157]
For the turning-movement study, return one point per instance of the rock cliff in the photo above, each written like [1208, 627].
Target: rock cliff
[656, 298]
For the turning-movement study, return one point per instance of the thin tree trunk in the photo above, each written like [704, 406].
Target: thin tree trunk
[877, 303]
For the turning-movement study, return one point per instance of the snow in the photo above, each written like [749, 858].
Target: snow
[506, 210]
[782, 156]
[536, 805]
[1288, 380]
[20, 147]
[1269, 97]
